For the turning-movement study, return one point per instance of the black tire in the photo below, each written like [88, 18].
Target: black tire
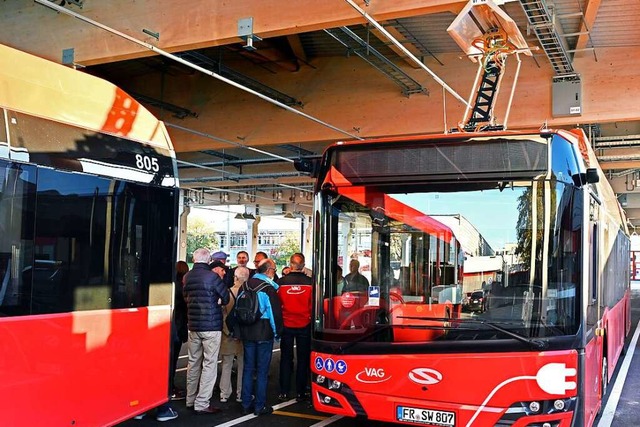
[604, 383]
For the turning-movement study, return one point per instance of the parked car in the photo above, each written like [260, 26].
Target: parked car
[477, 301]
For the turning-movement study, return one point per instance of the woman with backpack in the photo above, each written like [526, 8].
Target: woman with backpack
[231, 345]
[258, 339]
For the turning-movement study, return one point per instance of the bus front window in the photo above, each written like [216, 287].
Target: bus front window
[462, 263]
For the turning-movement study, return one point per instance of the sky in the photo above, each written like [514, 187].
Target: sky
[493, 213]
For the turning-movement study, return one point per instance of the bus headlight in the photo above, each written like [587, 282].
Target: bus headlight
[320, 379]
[534, 406]
[558, 405]
[334, 384]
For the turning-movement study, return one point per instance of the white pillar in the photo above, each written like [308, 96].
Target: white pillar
[252, 236]
[307, 247]
[182, 235]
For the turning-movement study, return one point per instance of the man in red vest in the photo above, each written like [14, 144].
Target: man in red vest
[295, 292]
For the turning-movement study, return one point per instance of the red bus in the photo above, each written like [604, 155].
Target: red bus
[524, 224]
[88, 215]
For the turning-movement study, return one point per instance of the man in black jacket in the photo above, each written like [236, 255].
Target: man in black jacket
[205, 293]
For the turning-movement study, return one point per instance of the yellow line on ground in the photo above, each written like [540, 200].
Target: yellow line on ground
[299, 415]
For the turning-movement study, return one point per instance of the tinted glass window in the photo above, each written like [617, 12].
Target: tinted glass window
[99, 243]
[88, 243]
[563, 160]
[17, 197]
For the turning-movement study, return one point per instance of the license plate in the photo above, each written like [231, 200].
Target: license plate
[426, 416]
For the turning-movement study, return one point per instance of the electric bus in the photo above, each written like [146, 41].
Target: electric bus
[88, 215]
[524, 223]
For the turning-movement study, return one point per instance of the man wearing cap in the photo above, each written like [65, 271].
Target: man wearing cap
[222, 256]
[205, 294]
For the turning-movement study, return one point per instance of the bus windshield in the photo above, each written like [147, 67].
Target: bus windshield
[476, 261]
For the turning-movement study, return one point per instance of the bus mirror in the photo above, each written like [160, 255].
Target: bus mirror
[592, 176]
[578, 179]
[310, 166]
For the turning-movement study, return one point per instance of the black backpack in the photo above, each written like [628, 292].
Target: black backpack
[247, 307]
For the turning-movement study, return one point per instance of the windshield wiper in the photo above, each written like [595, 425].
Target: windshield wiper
[380, 328]
[533, 342]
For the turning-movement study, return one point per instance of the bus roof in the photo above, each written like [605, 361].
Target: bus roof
[75, 98]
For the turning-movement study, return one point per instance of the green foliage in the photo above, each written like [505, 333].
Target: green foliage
[200, 234]
[527, 229]
[290, 245]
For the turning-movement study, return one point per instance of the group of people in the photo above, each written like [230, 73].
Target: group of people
[205, 298]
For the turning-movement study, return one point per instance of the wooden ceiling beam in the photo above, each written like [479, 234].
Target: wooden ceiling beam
[362, 101]
[590, 14]
[181, 24]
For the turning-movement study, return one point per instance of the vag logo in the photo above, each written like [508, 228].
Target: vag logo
[295, 290]
[425, 376]
[372, 376]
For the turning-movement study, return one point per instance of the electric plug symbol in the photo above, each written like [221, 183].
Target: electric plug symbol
[552, 378]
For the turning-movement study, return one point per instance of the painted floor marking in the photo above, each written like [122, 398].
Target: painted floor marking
[616, 390]
[327, 421]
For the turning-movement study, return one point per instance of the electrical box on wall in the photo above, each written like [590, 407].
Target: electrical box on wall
[567, 96]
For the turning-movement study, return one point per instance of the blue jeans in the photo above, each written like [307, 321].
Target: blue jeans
[257, 359]
[302, 338]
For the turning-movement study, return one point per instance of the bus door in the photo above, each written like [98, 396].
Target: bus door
[593, 342]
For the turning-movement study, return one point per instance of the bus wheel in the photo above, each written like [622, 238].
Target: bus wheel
[604, 382]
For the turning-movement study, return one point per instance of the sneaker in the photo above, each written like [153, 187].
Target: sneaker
[166, 414]
[224, 399]
[282, 397]
[239, 399]
[264, 411]
[139, 417]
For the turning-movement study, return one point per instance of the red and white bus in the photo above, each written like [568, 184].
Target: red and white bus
[548, 249]
[88, 214]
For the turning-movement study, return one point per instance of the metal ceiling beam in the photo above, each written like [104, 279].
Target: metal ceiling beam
[399, 45]
[241, 162]
[223, 156]
[373, 57]
[297, 149]
[543, 25]
[178, 112]
[240, 177]
[398, 27]
[215, 66]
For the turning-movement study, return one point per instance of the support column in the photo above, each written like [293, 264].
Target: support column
[182, 235]
[252, 236]
[307, 240]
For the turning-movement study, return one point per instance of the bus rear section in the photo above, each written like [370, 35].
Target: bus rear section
[497, 284]
[88, 214]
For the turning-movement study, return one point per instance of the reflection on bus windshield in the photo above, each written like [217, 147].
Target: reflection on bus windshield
[423, 262]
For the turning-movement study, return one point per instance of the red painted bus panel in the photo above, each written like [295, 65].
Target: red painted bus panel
[89, 368]
[477, 389]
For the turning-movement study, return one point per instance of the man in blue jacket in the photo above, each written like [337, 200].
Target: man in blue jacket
[205, 293]
[258, 338]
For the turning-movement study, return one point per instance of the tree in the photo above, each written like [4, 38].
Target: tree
[289, 245]
[200, 234]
